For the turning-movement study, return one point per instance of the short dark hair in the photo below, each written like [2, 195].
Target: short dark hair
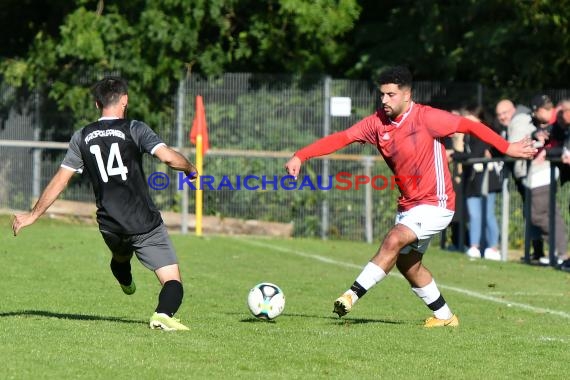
[109, 90]
[399, 75]
[540, 101]
[479, 112]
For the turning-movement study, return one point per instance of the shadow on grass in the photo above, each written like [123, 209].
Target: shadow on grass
[256, 320]
[361, 321]
[287, 315]
[77, 317]
[341, 321]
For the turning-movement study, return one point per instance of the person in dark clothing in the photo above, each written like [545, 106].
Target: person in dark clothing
[482, 183]
[559, 144]
[556, 139]
[455, 144]
[110, 152]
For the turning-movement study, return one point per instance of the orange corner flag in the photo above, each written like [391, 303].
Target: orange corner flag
[199, 137]
[199, 125]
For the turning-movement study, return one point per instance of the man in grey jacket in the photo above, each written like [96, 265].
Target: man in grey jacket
[518, 122]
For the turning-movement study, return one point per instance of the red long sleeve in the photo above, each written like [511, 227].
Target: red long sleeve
[484, 133]
[324, 146]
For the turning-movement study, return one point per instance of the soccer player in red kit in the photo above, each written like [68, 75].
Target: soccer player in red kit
[409, 137]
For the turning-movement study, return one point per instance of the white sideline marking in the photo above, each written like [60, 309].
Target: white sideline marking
[466, 292]
[528, 294]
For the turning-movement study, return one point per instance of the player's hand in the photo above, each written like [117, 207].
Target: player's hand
[293, 166]
[541, 135]
[192, 173]
[22, 220]
[522, 149]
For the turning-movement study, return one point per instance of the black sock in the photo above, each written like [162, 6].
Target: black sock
[358, 289]
[170, 298]
[122, 272]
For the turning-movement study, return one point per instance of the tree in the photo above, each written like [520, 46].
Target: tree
[21, 20]
[517, 44]
[154, 44]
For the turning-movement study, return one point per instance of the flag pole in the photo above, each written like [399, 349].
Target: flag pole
[199, 136]
[199, 195]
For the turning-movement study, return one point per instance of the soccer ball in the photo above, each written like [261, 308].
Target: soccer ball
[266, 301]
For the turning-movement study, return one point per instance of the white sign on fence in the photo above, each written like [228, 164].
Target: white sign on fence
[340, 106]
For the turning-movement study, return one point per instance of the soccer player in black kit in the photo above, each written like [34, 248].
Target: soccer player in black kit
[110, 152]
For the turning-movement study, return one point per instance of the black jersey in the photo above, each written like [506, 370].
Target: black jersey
[110, 152]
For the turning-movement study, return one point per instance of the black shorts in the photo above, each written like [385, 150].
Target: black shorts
[154, 249]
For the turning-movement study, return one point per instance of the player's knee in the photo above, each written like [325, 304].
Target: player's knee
[393, 243]
[168, 273]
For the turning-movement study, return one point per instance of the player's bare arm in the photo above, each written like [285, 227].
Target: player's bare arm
[176, 161]
[50, 194]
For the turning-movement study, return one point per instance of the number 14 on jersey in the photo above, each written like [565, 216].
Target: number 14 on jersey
[111, 169]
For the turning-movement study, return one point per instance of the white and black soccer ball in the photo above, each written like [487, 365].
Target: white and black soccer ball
[266, 301]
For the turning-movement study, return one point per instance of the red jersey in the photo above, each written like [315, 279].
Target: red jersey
[413, 148]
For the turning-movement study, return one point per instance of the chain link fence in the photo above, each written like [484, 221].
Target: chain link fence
[254, 123]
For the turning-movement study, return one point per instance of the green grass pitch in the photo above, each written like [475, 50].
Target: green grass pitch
[63, 316]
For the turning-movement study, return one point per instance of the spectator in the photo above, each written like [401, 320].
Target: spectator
[482, 183]
[454, 144]
[538, 177]
[561, 132]
[556, 137]
[543, 110]
[519, 119]
[557, 133]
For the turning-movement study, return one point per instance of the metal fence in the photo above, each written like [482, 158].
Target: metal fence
[254, 123]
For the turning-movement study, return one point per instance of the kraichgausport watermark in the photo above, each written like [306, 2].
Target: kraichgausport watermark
[251, 182]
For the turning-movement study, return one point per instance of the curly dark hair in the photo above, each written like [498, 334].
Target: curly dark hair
[399, 75]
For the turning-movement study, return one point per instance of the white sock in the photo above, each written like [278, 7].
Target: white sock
[370, 276]
[434, 300]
